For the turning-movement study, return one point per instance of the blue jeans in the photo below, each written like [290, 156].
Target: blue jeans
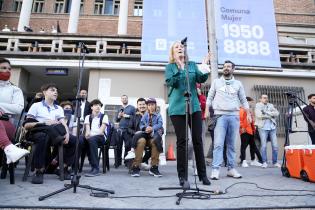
[263, 134]
[227, 128]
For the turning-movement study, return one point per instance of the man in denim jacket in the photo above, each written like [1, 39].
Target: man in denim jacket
[151, 126]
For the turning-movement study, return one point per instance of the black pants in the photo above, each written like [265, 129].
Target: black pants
[248, 139]
[42, 143]
[312, 135]
[124, 137]
[179, 124]
[94, 143]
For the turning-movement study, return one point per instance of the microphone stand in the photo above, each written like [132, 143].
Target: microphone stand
[187, 191]
[292, 103]
[76, 178]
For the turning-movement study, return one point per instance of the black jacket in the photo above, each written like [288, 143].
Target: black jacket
[309, 111]
[134, 124]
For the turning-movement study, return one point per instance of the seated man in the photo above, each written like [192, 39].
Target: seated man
[94, 126]
[48, 118]
[133, 128]
[151, 126]
[11, 103]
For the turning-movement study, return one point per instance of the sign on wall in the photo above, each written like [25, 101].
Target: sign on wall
[166, 21]
[246, 32]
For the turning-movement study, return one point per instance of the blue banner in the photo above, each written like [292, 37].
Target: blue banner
[166, 21]
[246, 32]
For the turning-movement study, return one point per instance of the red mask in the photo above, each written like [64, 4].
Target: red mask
[5, 76]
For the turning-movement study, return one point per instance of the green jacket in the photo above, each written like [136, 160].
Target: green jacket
[176, 83]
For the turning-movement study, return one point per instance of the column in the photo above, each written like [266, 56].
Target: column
[74, 16]
[25, 14]
[123, 17]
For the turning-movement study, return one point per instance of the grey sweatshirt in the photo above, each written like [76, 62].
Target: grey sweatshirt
[226, 96]
[11, 98]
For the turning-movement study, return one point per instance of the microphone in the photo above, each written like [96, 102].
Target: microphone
[290, 93]
[84, 47]
[184, 41]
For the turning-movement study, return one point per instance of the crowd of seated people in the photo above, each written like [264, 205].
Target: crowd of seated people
[49, 125]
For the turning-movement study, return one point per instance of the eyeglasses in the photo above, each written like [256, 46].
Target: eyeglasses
[5, 68]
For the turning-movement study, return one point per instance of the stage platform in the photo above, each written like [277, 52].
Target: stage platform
[143, 192]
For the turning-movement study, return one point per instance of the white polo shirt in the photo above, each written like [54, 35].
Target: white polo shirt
[95, 126]
[42, 112]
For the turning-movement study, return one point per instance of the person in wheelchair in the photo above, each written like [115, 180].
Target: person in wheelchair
[46, 126]
[133, 128]
[151, 127]
[11, 104]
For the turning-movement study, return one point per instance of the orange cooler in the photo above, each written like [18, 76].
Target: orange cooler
[309, 162]
[294, 160]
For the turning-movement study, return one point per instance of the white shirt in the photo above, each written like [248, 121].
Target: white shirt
[82, 110]
[11, 98]
[95, 126]
[43, 112]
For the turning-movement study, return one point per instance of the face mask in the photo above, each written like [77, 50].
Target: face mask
[5, 76]
[67, 111]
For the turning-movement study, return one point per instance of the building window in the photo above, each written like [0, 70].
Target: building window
[17, 5]
[137, 8]
[64, 6]
[106, 7]
[38, 6]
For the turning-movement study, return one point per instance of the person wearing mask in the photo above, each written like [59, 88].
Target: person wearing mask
[309, 111]
[11, 105]
[225, 96]
[125, 112]
[265, 119]
[175, 78]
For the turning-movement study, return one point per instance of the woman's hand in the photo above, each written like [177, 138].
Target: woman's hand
[180, 63]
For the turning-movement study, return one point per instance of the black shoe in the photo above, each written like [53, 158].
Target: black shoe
[94, 172]
[204, 180]
[135, 172]
[38, 177]
[66, 174]
[181, 181]
[154, 171]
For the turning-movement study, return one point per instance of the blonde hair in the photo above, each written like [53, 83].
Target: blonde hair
[171, 53]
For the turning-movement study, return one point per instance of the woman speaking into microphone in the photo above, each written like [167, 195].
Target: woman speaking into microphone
[175, 77]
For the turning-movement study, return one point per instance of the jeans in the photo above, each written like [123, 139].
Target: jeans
[226, 129]
[273, 138]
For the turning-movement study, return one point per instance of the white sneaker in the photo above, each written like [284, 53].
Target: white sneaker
[144, 166]
[14, 153]
[233, 173]
[255, 163]
[130, 155]
[244, 164]
[215, 174]
[264, 165]
[277, 165]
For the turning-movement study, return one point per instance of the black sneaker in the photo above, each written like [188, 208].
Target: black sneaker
[135, 172]
[66, 174]
[154, 171]
[38, 177]
[94, 172]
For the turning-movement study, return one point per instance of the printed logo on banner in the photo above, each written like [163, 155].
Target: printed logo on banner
[246, 32]
[167, 21]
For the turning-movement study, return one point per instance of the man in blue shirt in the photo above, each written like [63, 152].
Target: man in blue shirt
[125, 112]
